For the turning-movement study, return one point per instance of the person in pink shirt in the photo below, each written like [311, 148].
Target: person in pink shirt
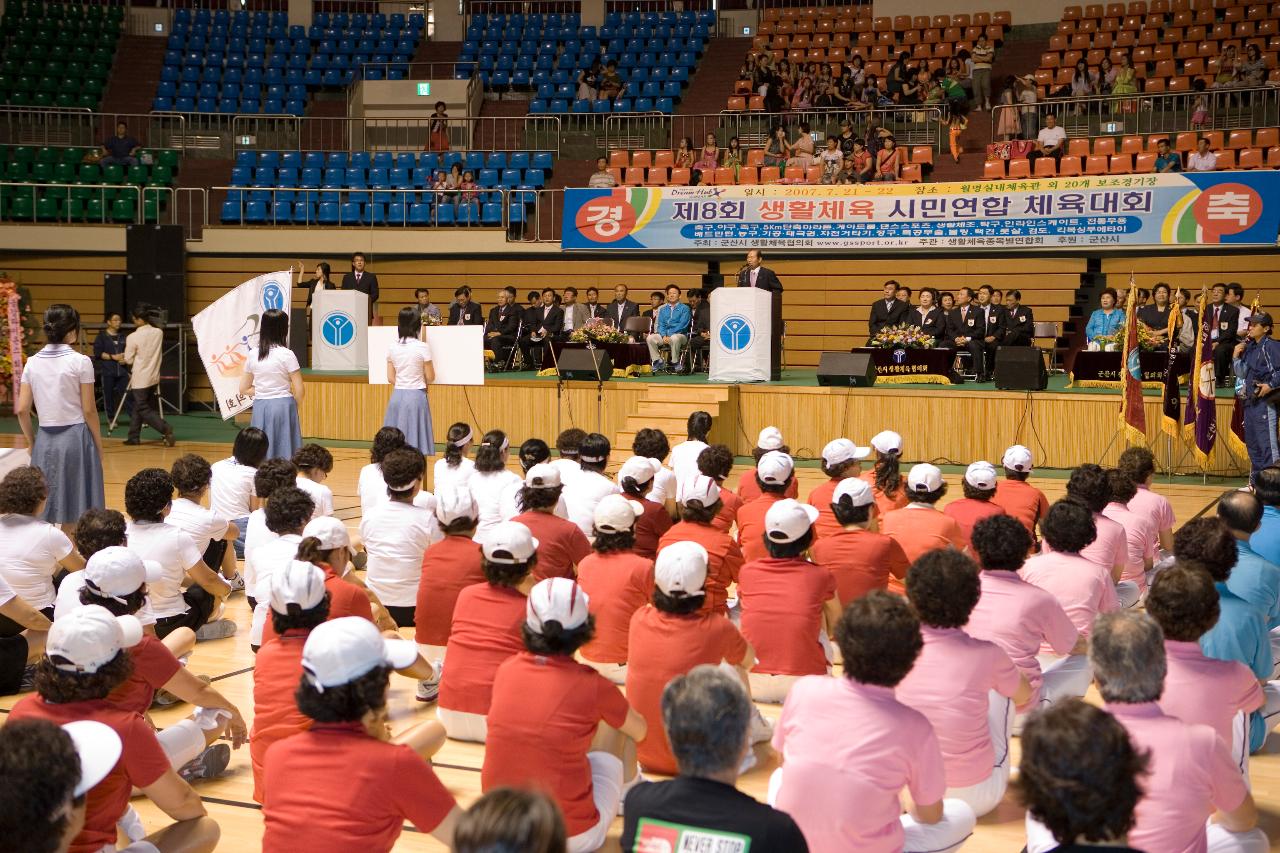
[840, 782]
[1142, 542]
[1018, 616]
[979, 488]
[1199, 689]
[1082, 587]
[1140, 464]
[967, 688]
[1191, 773]
[1088, 487]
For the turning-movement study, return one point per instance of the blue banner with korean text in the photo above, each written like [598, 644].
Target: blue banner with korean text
[1185, 209]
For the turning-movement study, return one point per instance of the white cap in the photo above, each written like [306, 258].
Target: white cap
[617, 514]
[1017, 458]
[453, 503]
[331, 532]
[924, 478]
[701, 488]
[858, 491]
[981, 475]
[639, 468]
[770, 438]
[509, 542]
[296, 583]
[775, 468]
[542, 476]
[681, 567]
[788, 520]
[115, 572]
[843, 450]
[89, 637]
[341, 650]
[98, 747]
[887, 443]
[556, 600]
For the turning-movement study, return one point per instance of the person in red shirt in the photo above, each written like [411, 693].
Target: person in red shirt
[347, 783]
[635, 479]
[671, 636]
[85, 660]
[769, 441]
[885, 477]
[841, 459]
[699, 501]
[561, 543]
[920, 526]
[716, 461]
[617, 581]
[448, 567]
[979, 487]
[1019, 498]
[486, 629]
[775, 473]
[859, 556]
[789, 605]
[559, 726]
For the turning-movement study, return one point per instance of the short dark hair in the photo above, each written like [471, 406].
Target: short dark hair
[274, 474]
[506, 574]
[344, 703]
[706, 714]
[1088, 486]
[1123, 488]
[418, 291]
[250, 447]
[22, 490]
[313, 457]
[1236, 289]
[191, 473]
[1080, 774]
[1001, 543]
[355, 255]
[929, 497]
[533, 451]
[698, 425]
[678, 605]
[568, 442]
[131, 604]
[570, 289]
[1109, 291]
[489, 452]
[555, 640]
[1208, 542]
[715, 461]
[509, 819]
[401, 468]
[942, 586]
[547, 290]
[695, 512]
[846, 513]
[1138, 462]
[41, 769]
[973, 493]
[288, 510]
[462, 291]
[1266, 485]
[788, 550]
[1068, 527]
[538, 498]
[595, 446]
[879, 638]
[97, 529]
[61, 686]
[1184, 602]
[147, 494]
[651, 443]
[1241, 511]
[606, 543]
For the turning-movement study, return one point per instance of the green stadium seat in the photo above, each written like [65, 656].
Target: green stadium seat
[151, 209]
[113, 174]
[22, 208]
[24, 153]
[17, 171]
[168, 157]
[90, 173]
[48, 209]
[93, 210]
[74, 209]
[64, 173]
[42, 172]
[123, 210]
[137, 174]
[161, 176]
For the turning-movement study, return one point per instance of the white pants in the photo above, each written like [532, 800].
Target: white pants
[135, 847]
[1129, 593]
[463, 725]
[766, 687]
[1064, 677]
[606, 792]
[1221, 840]
[984, 796]
[1240, 745]
[181, 742]
[615, 672]
[678, 343]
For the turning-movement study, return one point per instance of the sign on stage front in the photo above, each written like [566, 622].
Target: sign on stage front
[457, 353]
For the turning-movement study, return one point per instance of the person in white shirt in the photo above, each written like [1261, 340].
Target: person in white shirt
[142, 350]
[286, 514]
[567, 444]
[591, 485]
[272, 475]
[314, 464]
[1051, 140]
[1202, 159]
[21, 642]
[231, 482]
[148, 498]
[57, 382]
[410, 371]
[495, 490]
[210, 532]
[454, 469]
[396, 534]
[653, 444]
[33, 550]
[273, 378]
[370, 485]
[684, 456]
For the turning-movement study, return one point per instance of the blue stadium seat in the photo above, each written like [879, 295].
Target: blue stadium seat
[281, 213]
[666, 106]
[534, 178]
[429, 160]
[350, 213]
[537, 107]
[397, 213]
[304, 213]
[474, 161]
[511, 178]
[420, 214]
[230, 212]
[468, 213]
[543, 160]
[255, 213]
[491, 214]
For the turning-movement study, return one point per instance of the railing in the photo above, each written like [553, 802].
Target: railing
[522, 7]
[386, 199]
[11, 192]
[909, 125]
[190, 209]
[394, 133]
[542, 220]
[83, 127]
[625, 7]
[413, 70]
[1168, 112]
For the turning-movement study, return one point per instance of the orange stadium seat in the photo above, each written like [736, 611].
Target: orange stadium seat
[1045, 168]
[617, 174]
[1240, 139]
[642, 159]
[993, 170]
[1250, 158]
[755, 157]
[1105, 145]
[922, 154]
[1121, 164]
[736, 104]
[1069, 167]
[813, 175]
[1185, 141]
[1144, 163]
[1019, 167]
[1096, 164]
[1267, 137]
[724, 175]
[1078, 146]
[748, 175]
[679, 177]
[793, 174]
[664, 159]
[1226, 158]
[657, 177]
[634, 176]
[911, 173]
[769, 175]
[1131, 145]
[755, 103]
[619, 159]
[1273, 157]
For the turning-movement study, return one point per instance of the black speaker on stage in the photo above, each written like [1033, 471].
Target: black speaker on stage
[585, 365]
[299, 335]
[855, 369]
[114, 296]
[1021, 369]
[165, 292]
[155, 249]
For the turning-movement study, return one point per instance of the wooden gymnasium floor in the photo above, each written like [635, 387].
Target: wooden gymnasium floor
[230, 664]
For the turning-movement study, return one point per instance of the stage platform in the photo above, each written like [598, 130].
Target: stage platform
[956, 424]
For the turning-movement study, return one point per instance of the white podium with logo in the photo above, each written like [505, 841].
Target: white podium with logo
[744, 335]
[339, 330]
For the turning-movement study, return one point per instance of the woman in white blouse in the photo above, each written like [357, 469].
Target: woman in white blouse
[273, 378]
[67, 447]
[454, 469]
[34, 550]
[410, 370]
[494, 489]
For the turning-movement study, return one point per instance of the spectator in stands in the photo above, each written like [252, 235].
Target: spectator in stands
[873, 95]
[913, 86]
[575, 313]
[594, 308]
[708, 158]
[422, 297]
[1223, 333]
[440, 187]
[621, 309]
[1155, 315]
[858, 165]
[928, 317]
[856, 70]
[1051, 141]
[983, 57]
[953, 92]
[1235, 296]
[802, 97]
[1126, 81]
[1190, 326]
[540, 325]
[610, 81]
[1166, 159]
[470, 188]
[897, 76]
[700, 325]
[947, 301]
[888, 161]
[670, 330]
[802, 150]
[1202, 159]
[1200, 107]
[734, 158]
[958, 70]
[684, 153]
[1106, 319]
[1008, 124]
[454, 179]
[464, 312]
[832, 160]
[589, 81]
[1253, 68]
[778, 148]
[439, 129]
[1027, 97]
[1106, 75]
[602, 177]
[121, 149]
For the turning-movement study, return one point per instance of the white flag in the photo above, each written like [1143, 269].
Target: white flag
[227, 334]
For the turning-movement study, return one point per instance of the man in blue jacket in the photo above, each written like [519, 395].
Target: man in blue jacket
[1256, 364]
[670, 329]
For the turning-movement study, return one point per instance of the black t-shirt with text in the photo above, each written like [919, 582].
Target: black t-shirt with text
[700, 814]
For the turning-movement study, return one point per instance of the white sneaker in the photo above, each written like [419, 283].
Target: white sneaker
[207, 764]
[216, 630]
[428, 691]
[236, 582]
[131, 825]
[761, 730]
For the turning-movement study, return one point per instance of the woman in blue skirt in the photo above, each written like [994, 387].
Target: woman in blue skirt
[274, 380]
[67, 447]
[410, 370]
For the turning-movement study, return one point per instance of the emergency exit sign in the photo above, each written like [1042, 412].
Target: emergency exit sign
[424, 90]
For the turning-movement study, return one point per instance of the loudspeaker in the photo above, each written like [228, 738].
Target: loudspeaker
[585, 365]
[855, 369]
[166, 293]
[1021, 369]
[115, 295]
[153, 249]
[299, 335]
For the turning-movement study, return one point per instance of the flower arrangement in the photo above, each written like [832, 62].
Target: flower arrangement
[903, 336]
[434, 320]
[597, 330]
[1146, 340]
[14, 315]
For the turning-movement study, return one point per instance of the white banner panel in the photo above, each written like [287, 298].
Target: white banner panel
[741, 345]
[456, 351]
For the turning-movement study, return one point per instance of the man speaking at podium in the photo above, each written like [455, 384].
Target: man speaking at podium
[753, 274]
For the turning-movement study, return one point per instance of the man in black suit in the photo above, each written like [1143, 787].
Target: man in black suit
[967, 329]
[1019, 323]
[700, 327]
[887, 311]
[753, 274]
[503, 328]
[993, 315]
[1224, 332]
[362, 280]
[464, 312]
[621, 309]
[543, 324]
[594, 308]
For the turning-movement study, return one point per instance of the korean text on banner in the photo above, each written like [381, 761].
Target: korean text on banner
[227, 334]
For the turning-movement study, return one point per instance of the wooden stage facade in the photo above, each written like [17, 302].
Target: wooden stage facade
[948, 424]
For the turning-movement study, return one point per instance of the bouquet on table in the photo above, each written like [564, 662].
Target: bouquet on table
[1146, 340]
[433, 319]
[903, 336]
[597, 330]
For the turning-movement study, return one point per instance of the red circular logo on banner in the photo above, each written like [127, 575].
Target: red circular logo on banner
[1227, 209]
[606, 219]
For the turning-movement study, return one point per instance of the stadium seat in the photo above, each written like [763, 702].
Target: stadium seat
[993, 170]
[1096, 164]
[1019, 168]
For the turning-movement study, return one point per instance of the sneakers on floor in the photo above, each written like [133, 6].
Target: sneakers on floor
[761, 730]
[207, 764]
[163, 698]
[236, 582]
[216, 630]
[428, 691]
[28, 682]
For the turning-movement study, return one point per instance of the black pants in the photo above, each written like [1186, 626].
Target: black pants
[113, 388]
[501, 346]
[146, 410]
[527, 346]
[200, 606]
[1016, 339]
[1222, 359]
[214, 554]
[402, 615]
[977, 348]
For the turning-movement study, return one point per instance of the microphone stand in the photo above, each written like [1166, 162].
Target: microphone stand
[591, 348]
[555, 362]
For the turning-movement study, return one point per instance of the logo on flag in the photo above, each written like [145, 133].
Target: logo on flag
[227, 336]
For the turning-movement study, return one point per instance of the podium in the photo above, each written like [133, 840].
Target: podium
[339, 330]
[746, 335]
